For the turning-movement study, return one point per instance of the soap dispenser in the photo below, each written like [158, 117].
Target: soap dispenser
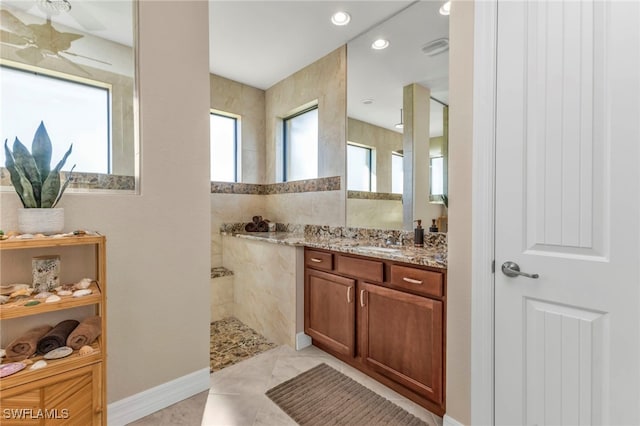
[433, 227]
[418, 234]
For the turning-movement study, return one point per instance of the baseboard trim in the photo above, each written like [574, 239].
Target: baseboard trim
[142, 404]
[302, 341]
[450, 421]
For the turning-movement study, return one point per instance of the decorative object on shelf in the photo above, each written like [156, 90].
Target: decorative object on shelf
[52, 298]
[2, 236]
[4, 299]
[37, 184]
[81, 293]
[46, 272]
[257, 225]
[57, 336]
[38, 365]
[85, 333]
[3, 353]
[58, 353]
[11, 368]
[42, 295]
[85, 350]
[25, 346]
[32, 303]
[83, 284]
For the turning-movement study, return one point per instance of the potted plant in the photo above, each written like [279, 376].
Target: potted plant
[37, 184]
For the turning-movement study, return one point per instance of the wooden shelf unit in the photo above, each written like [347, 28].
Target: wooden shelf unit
[70, 390]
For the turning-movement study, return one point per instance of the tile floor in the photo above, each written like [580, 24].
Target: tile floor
[236, 397]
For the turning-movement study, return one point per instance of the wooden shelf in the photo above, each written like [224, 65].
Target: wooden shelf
[54, 366]
[76, 383]
[16, 309]
[30, 243]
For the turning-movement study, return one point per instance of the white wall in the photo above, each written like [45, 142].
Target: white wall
[158, 242]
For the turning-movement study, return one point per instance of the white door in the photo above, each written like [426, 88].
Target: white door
[567, 344]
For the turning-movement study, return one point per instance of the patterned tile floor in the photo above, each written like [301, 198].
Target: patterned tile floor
[232, 342]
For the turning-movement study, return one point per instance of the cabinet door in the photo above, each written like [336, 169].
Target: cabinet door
[329, 311]
[72, 397]
[401, 338]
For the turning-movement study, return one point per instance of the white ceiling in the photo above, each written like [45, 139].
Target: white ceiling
[259, 43]
[262, 42]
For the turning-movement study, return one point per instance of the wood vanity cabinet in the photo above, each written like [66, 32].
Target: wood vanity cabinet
[70, 390]
[383, 317]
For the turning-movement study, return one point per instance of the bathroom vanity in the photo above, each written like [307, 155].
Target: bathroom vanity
[366, 296]
[384, 317]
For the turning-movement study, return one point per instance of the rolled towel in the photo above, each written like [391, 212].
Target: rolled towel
[25, 346]
[57, 337]
[251, 227]
[85, 333]
[256, 219]
[263, 226]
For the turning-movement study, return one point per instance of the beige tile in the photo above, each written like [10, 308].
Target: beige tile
[188, 413]
[232, 410]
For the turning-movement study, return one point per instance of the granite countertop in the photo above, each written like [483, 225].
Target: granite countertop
[402, 253]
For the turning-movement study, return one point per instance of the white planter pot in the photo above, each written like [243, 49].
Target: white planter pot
[41, 221]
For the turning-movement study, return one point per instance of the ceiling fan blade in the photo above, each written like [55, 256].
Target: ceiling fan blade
[32, 55]
[12, 39]
[12, 24]
[86, 57]
[73, 64]
[80, 12]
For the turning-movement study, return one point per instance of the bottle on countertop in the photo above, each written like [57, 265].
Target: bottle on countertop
[433, 227]
[418, 234]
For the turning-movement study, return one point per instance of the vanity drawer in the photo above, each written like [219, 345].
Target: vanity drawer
[429, 283]
[370, 270]
[318, 260]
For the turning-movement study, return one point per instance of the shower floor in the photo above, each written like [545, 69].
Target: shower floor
[232, 341]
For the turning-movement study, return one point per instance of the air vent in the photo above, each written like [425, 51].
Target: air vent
[436, 47]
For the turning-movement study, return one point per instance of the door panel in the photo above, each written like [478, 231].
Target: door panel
[330, 310]
[567, 345]
[401, 338]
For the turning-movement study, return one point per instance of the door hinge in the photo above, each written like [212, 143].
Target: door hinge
[493, 266]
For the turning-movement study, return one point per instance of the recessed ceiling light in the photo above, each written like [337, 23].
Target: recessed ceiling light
[380, 44]
[445, 8]
[340, 18]
[367, 101]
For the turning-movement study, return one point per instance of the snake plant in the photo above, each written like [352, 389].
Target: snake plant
[37, 184]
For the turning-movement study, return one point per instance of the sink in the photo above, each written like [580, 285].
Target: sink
[379, 249]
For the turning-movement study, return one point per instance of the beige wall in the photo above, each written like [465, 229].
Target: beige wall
[460, 169]
[247, 102]
[324, 81]
[384, 141]
[157, 242]
[382, 214]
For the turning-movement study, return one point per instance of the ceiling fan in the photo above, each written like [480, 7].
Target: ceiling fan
[39, 41]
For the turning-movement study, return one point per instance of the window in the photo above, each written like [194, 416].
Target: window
[359, 170]
[301, 145]
[72, 111]
[397, 173]
[224, 148]
[437, 175]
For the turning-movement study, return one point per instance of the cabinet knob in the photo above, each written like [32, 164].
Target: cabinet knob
[98, 409]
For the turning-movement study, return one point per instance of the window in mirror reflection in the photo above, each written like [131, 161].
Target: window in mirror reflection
[224, 147]
[359, 168]
[301, 145]
[437, 175]
[397, 173]
[73, 111]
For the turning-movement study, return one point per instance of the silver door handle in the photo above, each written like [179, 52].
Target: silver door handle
[511, 269]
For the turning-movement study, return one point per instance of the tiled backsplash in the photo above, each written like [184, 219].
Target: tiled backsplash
[309, 185]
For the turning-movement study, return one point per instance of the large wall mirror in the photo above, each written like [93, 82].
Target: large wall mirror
[71, 65]
[396, 96]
